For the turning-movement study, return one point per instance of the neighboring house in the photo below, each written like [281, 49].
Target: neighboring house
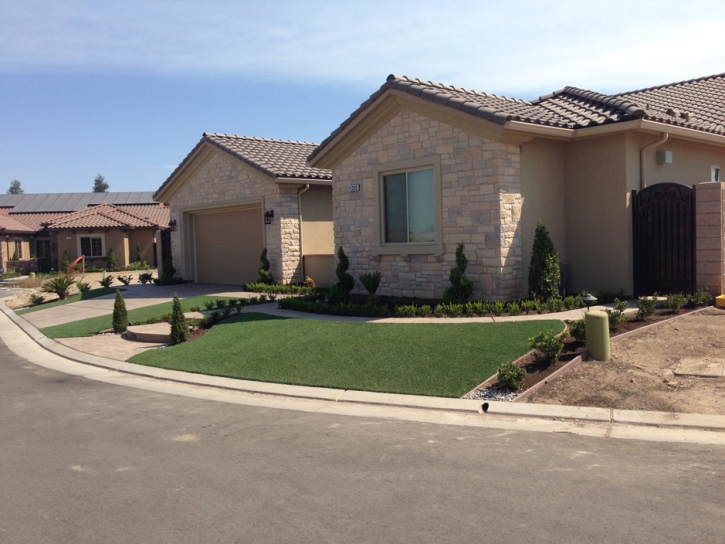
[420, 167]
[41, 227]
[232, 196]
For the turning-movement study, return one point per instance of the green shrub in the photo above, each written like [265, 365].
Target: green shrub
[146, 277]
[346, 309]
[111, 262]
[513, 308]
[36, 299]
[60, 286]
[701, 297]
[138, 253]
[65, 262]
[264, 275]
[528, 306]
[646, 306]
[226, 311]
[277, 288]
[405, 310]
[120, 316]
[511, 376]
[578, 330]
[371, 282]
[126, 280]
[604, 297]
[165, 279]
[616, 316]
[423, 311]
[209, 304]
[220, 303]
[544, 272]
[194, 309]
[555, 304]
[498, 308]
[107, 281]
[572, 302]
[549, 346]
[83, 286]
[138, 265]
[452, 309]
[439, 311]
[540, 306]
[461, 287]
[179, 328]
[675, 301]
[345, 281]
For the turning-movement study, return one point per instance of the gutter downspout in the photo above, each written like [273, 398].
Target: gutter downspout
[642, 183]
[300, 192]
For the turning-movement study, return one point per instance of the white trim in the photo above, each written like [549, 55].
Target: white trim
[100, 235]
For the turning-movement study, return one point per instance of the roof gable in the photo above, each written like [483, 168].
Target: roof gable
[101, 216]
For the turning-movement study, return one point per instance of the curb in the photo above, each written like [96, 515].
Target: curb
[441, 404]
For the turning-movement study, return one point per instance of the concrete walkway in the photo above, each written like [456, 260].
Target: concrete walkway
[112, 346]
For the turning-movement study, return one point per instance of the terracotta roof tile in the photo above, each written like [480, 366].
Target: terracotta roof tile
[36, 220]
[9, 224]
[101, 216]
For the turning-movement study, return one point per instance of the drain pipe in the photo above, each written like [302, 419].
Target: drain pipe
[300, 192]
[642, 183]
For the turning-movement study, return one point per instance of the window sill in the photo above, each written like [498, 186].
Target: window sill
[433, 249]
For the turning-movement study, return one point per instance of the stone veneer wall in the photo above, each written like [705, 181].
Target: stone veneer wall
[221, 179]
[481, 207]
[710, 236]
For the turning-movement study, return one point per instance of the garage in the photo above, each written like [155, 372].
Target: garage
[228, 245]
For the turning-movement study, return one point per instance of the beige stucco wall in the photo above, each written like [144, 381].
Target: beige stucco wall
[146, 239]
[8, 248]
[481, 204]
[543, 190]
[123, 244]
[222, 179]
[316, 219]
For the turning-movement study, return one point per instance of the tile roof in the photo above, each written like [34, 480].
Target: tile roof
[35, 221]
[276, 158]
[698, 104]
[9, 224]
[155, 213]
[101, 216]
[70, 202]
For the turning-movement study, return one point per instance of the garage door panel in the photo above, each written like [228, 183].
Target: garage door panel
[228, 246]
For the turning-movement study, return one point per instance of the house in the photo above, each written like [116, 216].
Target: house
[232, 196]
[420, 167]
[39, 228]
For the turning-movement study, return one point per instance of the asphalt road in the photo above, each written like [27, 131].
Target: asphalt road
[85, 461]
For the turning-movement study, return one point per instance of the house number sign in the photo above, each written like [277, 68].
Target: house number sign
[353, 187]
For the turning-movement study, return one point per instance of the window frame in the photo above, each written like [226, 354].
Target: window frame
[18, 248]
[382, 247]
[42, 243]
[102, 237]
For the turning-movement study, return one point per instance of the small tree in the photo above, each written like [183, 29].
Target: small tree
[544, 273]
[65, 262]
[461, 287]
[179, 328]
[100, 185]
[15, 188]
[264, 275]
[138, 253]
[111, 263]
[120, 316]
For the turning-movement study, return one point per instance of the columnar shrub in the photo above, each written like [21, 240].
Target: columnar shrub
[264, 275]
[120, 316]
[461, 287]
[340, 292]
[544, 273]
[179, 328]
[138, 253]
[65, 262]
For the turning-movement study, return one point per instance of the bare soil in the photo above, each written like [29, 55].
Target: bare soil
[640, 375]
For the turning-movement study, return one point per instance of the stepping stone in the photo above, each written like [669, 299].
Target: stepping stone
[708, 367]
[194, 315]
[156, 333]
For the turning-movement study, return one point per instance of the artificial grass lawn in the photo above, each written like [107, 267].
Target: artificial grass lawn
[422, 359]
[94, 325]
[93, 293]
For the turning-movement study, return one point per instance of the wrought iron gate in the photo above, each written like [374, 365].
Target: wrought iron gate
[663, 223]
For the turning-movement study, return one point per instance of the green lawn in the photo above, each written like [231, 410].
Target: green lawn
[424, 359]
[94, 325]
[93, 293]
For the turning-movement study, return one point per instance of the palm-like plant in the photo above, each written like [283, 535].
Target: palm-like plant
[60, 286]
[371, 281]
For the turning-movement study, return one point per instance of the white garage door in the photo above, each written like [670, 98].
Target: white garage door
[228, 246]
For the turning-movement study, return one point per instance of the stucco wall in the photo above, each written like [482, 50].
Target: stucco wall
[481, 205]
[317, 230]
[145, 238]
[223, 179]
[543, 190]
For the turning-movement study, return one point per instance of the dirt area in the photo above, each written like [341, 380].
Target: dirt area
[93, 278]
[641, 373]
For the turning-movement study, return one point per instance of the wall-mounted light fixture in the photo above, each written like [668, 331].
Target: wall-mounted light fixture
[172, 225]
[268, 215]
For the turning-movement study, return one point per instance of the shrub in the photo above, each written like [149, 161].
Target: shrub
[549, 346]
[264, 275]
[167, 268]
[65, 262]
[423, 311]
[646, 306]
[111, 263]
[120, 316]
[513, 308]
[438, 312]
[60, 286]
[138, 265]
[511, 376]
[371, 282]
[277, 288]
[461, 287]
[194, 309]
[405, 310]
[165, 279]
[675, 301]
[220, 303]
[604, 297]
[555, 304]
[138, 253]
[452, 309]
[498, 308]
[227, 311]
[166, 317]
[701, 297]
[528, 306]
[36, 299]
[572, 303]
[616, 316]
[544, 273]
[83, 286]
[179, 328]
[345, 282]
[146, 277]
[107, 281]
[209, 304]
[540, 306]
[578, 330]
[125, 279]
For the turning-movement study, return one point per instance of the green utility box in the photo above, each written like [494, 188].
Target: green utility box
[597, 326]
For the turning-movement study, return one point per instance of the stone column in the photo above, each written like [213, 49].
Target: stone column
[710, 236]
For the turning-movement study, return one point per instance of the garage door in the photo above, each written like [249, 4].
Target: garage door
[228, 246]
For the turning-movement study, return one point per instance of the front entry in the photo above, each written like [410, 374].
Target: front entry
[663, 224]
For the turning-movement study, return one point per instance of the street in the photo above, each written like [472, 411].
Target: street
[87, 461]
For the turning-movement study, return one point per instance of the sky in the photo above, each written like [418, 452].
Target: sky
[126, 89]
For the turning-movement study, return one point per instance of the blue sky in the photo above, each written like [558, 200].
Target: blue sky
[126, 89]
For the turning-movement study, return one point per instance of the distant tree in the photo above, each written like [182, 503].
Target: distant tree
[15, 188]
[100, 185]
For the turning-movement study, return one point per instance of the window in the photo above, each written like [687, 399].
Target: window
[91, 246]
[409, 207]
[18, 249]
[42, 249]
[715, 174]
